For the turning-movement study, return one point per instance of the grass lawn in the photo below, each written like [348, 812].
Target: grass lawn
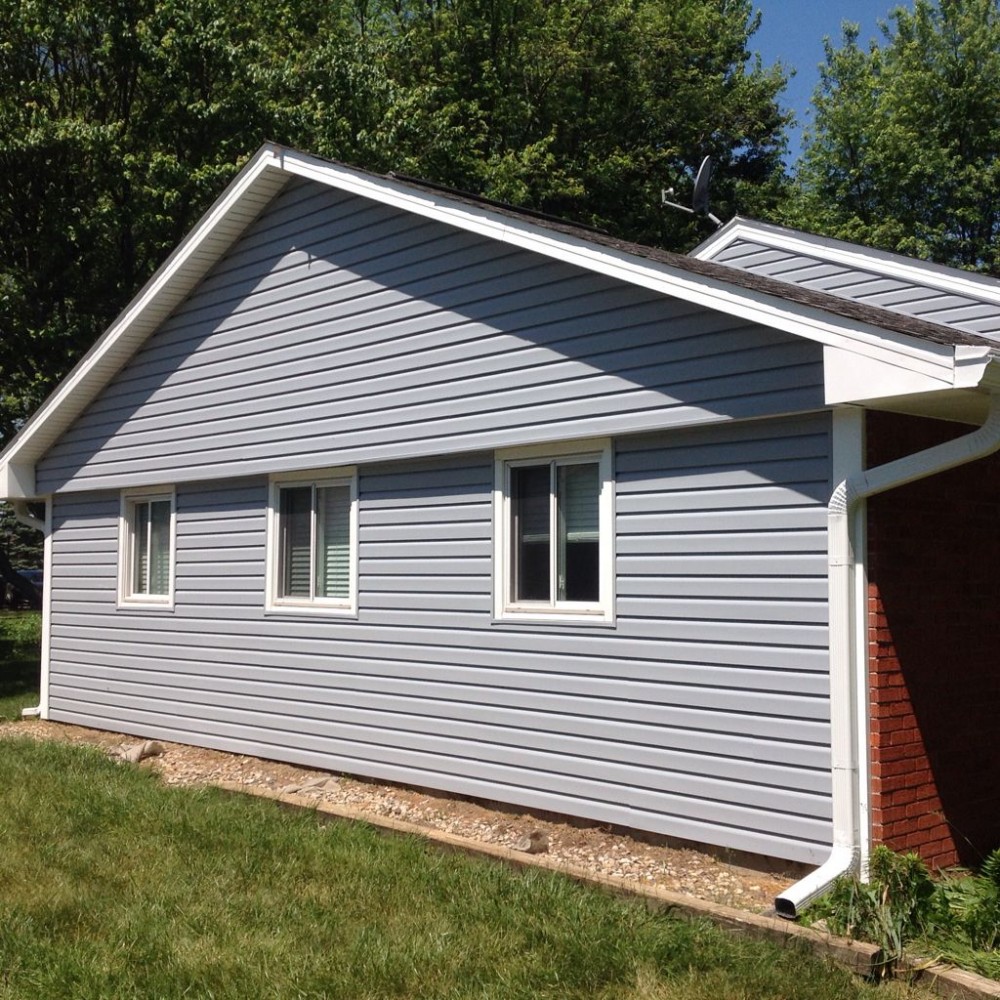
[19, 662]
[113, 885]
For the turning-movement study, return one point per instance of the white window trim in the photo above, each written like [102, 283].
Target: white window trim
[505, 610]
[127, 599]
[326, 606]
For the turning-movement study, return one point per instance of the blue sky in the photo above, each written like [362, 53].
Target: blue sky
[792, 31]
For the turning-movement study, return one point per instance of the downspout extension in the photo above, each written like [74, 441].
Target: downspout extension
[845, 852]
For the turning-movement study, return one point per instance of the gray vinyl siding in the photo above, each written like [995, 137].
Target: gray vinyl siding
[911, 298]
[701, 714]
[339, 331]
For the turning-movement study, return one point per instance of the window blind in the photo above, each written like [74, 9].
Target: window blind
[333, 541]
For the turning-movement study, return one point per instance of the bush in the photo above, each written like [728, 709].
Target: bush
[897, 905]
[975, 904]
[22, 631]
[957, 917]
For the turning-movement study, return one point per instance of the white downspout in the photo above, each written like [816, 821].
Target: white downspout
[844, 709]
[24, 515]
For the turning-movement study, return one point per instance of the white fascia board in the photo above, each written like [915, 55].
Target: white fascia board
[923, 357]
[719, 240]
[849, 376]
[17, 481]
[215, 232]
[264, 175]
[890, 265]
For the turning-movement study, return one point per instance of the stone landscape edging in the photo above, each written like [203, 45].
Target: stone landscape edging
[859, 957]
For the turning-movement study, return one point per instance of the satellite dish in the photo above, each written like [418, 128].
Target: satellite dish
[699, 199]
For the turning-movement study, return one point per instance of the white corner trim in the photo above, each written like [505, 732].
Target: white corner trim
[46, 644]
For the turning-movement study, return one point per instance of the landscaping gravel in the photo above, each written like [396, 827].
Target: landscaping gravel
[593, 848]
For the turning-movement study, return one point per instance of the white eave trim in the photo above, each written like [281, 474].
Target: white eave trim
[833, 251]
[265, 174]
[804, 321]
[217, 230]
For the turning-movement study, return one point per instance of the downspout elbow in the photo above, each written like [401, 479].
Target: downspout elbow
[843, 860]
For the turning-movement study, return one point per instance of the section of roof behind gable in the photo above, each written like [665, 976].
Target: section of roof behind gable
[927, 292]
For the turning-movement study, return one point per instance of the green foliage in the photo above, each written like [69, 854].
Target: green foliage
[113, 885]
[896, 905]
[974, 902]
[22, 544]
[23, 631]
[956, 917]
[20, 650]
[904, 154]
[120, 122]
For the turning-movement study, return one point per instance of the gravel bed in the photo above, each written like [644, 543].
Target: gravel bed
[593, 848]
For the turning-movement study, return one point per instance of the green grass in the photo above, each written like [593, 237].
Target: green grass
[19, 661]
[113, 885]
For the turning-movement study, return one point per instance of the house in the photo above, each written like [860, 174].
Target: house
[386, 479]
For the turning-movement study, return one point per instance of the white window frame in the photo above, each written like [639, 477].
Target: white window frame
[127, 595]
[335, 606]
[505, 607]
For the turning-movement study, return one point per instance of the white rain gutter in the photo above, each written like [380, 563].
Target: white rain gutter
[845, 853]
[24, 515]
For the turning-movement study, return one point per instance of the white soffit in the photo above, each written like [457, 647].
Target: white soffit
[272, 166]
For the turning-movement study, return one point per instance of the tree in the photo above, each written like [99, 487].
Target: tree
[905, 150]
[579, 108]
[120, 121]
[20, 548]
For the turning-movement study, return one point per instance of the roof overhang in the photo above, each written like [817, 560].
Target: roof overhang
[863, 355]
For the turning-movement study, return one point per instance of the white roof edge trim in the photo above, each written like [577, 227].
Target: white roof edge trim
[800, 320]
[199, 251]
[88, 371]
[836, 251]
[977, 367]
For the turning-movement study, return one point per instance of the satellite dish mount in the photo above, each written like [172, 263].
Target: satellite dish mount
[699, 199]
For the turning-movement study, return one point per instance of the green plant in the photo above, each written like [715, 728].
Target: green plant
[975, 903]
[899, 903]
[23, 631]
[20, 641]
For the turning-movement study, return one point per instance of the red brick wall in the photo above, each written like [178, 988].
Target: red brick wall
[934, 650]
